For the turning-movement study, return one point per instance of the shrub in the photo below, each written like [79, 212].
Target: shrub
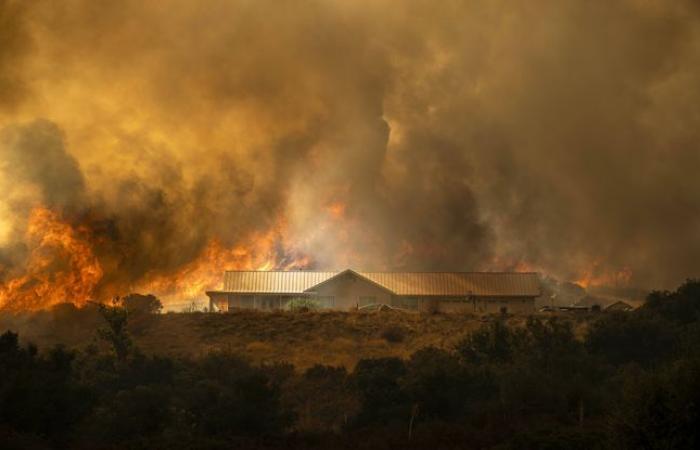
[382, 399]
[622, 338]
[136, 304]
[302, 305]
[322, 399]
[438, 384]
[681, 306]
[494, 342]
[115, 332]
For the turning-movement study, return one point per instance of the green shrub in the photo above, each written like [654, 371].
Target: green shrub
[302, 305]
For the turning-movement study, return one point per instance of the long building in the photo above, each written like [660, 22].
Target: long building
[349, 289]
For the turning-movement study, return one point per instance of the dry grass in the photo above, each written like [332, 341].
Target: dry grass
[302, 339]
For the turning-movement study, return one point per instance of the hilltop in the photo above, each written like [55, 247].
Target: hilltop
[301, 338]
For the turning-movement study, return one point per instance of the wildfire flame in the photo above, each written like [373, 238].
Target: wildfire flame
[262, 251]
[61, 266]
[596, 276]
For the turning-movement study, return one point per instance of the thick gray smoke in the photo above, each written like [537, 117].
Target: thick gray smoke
[35, 170]
[557, 135]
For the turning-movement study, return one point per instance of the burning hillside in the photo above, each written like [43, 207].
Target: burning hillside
[148, 148]
[60, 267]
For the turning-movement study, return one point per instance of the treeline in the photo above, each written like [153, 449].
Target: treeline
[632, 382]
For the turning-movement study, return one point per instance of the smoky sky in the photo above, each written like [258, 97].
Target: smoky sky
[415, 135]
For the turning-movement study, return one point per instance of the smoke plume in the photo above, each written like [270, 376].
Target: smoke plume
[179, 139]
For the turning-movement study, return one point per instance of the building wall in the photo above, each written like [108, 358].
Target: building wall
[349, 292]
[464, 304]
[488, 305]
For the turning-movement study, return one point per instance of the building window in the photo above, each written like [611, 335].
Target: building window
[246, 301]
[367, 300]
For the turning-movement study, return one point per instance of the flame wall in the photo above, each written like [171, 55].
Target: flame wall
[167, 141]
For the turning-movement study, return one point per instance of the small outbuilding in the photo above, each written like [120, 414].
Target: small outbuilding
[619, 306]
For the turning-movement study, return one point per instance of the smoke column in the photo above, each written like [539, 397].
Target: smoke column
[174, 140]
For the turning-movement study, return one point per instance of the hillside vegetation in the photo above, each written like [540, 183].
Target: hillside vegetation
[127, 377]
[299, 338]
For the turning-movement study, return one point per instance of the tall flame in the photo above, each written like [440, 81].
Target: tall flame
[61, 266]
[595, 276]
[267, 250]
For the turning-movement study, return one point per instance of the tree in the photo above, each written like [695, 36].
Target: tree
[658, 409]
[139, 304]
[549, 342]
[383, 401]
[622, 338]
[37, 392]
[438, 384]
[115, 333]
[681, 306]
[494, 343]
[322, 399]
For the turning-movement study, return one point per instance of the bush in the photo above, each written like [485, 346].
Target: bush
[659, 409]
[633, 383]
[302, 305]
[622, 338]
[322, 399]
[681, 306]
[139, 304]
[438, 384]
[382, 399]
[38, 394]
[493, 343]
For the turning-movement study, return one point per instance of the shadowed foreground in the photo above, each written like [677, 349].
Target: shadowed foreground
[302, 339]
[129, 379]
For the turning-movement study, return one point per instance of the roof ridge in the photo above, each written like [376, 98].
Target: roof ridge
[398, 283]
[383, 271]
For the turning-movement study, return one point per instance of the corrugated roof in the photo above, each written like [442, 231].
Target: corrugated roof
[401, 283]
[458, 283]
[287, 282]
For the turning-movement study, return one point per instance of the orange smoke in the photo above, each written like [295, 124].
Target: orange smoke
[263, 251]
[501, 264]
[336, 210]
[596, 276]
[61, 266]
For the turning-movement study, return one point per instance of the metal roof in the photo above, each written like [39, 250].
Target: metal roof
[491, 284]
[458, 283]
[287, 282]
